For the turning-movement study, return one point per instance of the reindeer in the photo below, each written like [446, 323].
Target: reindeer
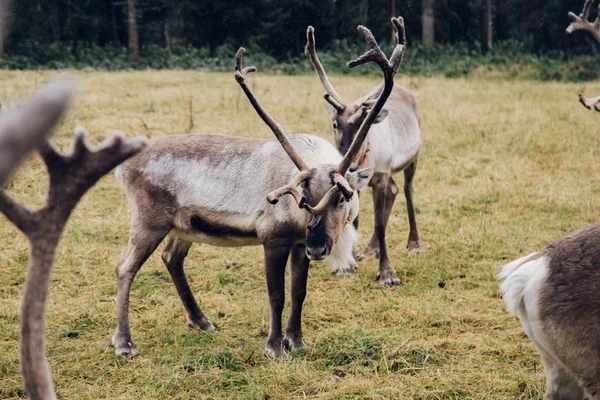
[556, 294]
[71, 175]
[582, 22]
[392, 146]
[211, 189]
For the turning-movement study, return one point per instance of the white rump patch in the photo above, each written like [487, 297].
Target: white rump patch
[522, 280]
[341, 258]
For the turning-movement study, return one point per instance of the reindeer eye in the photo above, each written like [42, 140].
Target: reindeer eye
[335, 125]
[341, 201]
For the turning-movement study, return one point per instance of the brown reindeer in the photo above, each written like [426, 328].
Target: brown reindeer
[392, 146]
[581, 22]
[556, 294]
[229, 191]
[71, 175]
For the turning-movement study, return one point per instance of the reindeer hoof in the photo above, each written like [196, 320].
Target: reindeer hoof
[415, 246]
[388, 278]
[124, 346]
[294, 343]
[368, 252]
[342, 273]
[277, 351]
[202, 324]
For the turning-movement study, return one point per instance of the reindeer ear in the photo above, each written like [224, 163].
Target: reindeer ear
[381, 116]
[359, 179]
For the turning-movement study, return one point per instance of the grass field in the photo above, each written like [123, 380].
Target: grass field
[505, 167]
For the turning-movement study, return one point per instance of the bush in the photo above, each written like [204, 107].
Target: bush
[511, 59]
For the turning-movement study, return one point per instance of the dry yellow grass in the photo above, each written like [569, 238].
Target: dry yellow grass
[505, 167]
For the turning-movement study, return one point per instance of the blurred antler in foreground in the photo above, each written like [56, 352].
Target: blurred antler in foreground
[71, 175]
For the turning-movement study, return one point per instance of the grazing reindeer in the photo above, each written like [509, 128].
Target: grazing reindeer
[211, 189]
[582, 22]
[392, 146]
[556, 294]
[71, 176]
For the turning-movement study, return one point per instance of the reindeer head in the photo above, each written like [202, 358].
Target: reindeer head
[348, 118]
[328, 197]
[326, 191]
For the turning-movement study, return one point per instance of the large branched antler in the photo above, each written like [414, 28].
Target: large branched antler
[310, 50]
[240, 76]
[339, 182]
[389, 68]
[581, 22]
[292, 188]
[71, 175]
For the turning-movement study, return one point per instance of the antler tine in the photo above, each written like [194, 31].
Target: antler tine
[239, 58]
[71, 175]
[310, 50]
[373, 55]
[320, 207]
[581, 22]
[343, 185]
[329, 98]
[22, 130]
[290, 188]
[240, 77]
[398, 52]
[389, 69]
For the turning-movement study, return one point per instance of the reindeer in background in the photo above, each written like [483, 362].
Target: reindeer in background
[231, 191]
[392, 146]
[581, 22]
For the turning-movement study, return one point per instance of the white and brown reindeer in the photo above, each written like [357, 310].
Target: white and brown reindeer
[229, 191]
[556, 294]
[581, 22]
[71, 175]
[392, 146]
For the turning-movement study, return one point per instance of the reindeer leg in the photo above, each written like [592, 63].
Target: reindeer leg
[142, 244]
[355, 222]
[372, 249]
[299, 275]
[559, 383]
[414, 242]
[384, 193]
[173, 256]
[275, 261]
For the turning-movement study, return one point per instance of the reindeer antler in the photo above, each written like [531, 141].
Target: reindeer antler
[389, 68]
[23, 129]
[71, 175]
[290, 188]
[338, 180]
[240, 77]
[581, 21]
[310, 50]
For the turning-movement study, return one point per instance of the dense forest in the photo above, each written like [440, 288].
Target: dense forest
[155, 32]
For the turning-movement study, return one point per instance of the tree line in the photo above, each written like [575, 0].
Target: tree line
[278, 27]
